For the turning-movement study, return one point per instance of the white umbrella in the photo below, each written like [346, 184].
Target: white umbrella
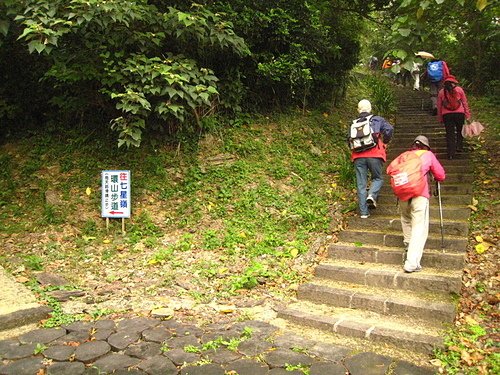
[425, 55]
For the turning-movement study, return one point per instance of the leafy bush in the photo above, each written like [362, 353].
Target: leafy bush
[381, 95]
[116, 52]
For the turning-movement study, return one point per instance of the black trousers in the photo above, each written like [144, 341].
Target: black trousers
[453, 123]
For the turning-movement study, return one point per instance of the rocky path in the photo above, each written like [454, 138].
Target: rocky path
[361, 291]
[144, 345]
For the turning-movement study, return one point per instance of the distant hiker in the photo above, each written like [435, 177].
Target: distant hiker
[436, 71]
[415, 73]
[368, 137]
[453, 110]
[409, 181]
[387, 63]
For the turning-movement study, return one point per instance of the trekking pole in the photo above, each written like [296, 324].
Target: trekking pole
[440, 213]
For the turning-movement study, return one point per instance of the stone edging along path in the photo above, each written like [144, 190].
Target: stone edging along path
[143, 345]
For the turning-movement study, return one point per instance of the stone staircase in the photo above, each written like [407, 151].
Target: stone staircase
[360, 291]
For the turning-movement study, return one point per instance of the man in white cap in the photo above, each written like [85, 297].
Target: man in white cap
[415, 206]
[370, 158]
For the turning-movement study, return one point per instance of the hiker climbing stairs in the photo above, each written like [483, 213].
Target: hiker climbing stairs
[360, 290]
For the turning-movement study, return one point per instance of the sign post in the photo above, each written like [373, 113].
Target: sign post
[116, 196]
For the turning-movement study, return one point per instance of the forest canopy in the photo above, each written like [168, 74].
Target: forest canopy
[149, 66]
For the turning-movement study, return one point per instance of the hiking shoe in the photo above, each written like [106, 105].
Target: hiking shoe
[418, 269]
[365, 216]
[371, 202]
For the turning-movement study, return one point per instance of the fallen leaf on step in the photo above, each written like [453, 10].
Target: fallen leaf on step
[471, 321]
[482, 247]
[436, 362]
[162, 312]
[466, 357]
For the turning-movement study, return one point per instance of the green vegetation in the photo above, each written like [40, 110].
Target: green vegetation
[39, 349]
[231, 344]
[147, 68]
[240, 109]
[302, 368]
[234, 211]
[57, 317]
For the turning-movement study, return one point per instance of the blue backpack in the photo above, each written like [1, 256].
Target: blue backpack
[435, 71]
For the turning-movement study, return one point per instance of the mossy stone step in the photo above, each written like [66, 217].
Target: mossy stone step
[383, 301]
[368, 236]
[392, 277]
[379, 329]
[391, 223]
[394, 255]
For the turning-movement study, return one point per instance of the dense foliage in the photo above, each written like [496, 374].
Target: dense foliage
[462, 32]
[95, 53]
[154, 67]
[160, 65]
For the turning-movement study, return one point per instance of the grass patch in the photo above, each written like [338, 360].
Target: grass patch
[232, 210]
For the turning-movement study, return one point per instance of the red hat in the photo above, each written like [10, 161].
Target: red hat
[451, 78]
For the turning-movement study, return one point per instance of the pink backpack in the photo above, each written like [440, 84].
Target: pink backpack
[407, 179]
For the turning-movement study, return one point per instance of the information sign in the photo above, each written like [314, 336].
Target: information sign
[115, 194]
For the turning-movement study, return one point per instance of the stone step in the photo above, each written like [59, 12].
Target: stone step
[459, 212]
[19, 309]
[389, 302]
[410, 129]
[441, 154]
[454, 166]
[368, 236]
[386, 196]
[360, 290]
[391, 223]
[436, 138]
[394, 255]
[447, 188]
[391, 276]
[412, 120]
[437, 142]
[393, 332]
[456, 163]
[452, 178]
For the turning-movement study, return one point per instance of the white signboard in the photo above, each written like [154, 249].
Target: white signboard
[115, 194]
